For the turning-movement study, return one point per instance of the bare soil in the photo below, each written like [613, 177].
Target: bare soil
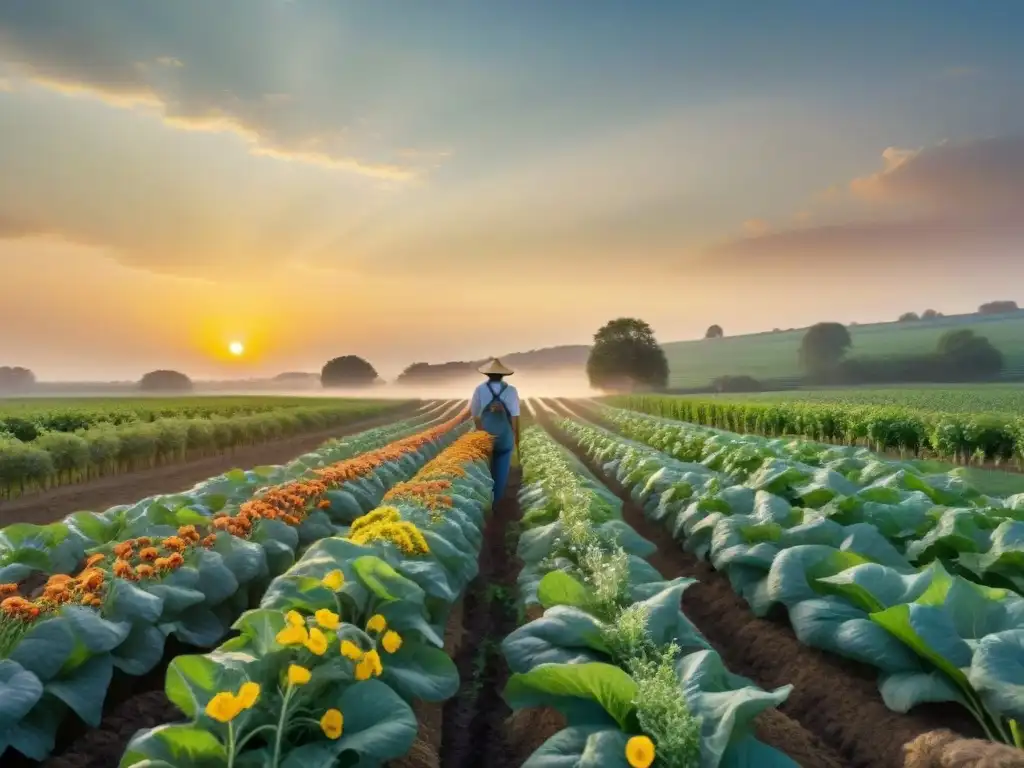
[835, 713]
[474, 730]
[106, 492]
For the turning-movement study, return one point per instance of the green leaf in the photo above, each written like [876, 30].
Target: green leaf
[419, 671]
[559, 588]
[578, 746]
[86, 688]
[183, 746]
[930, 633]
[550, 684]
[751, 753]
[384, 581]
[45, 647]
[379, 726]
[19, 692]
[260, 627]
[563, 635]
[191, 683]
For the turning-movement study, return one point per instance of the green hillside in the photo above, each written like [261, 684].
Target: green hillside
[774, 355]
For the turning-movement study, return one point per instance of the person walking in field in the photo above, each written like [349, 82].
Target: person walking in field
[495, 409]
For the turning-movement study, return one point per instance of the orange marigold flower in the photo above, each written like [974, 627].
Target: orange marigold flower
[99, 557]
[188, 532]
[162, 564]
[323, 504]
[90, 599]
[149, 554]
[91, 579]
[122, 568]
[145, 571]
[143, 541]
[221, 522]
[173, 543]
[176, 560]
[8, 589]
[124, 549]
[210, 540]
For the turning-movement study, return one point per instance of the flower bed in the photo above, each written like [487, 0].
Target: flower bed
[179, 571]
[344, 641]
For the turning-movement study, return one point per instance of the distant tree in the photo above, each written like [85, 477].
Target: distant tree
[824, 345]
[626, 355]
[776, 330]
[968, 355]
[16, 379]
[165, 381]
[998, 308]
[714, 332]
[348, 371]
[930, 314]
[909, 317]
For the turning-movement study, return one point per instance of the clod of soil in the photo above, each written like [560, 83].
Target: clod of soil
[944, 749]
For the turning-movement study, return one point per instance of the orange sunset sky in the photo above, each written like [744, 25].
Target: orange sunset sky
[431, 181]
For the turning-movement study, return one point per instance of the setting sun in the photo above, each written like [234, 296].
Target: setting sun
[236, 348]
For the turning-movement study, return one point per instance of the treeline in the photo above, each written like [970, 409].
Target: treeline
[535, 361]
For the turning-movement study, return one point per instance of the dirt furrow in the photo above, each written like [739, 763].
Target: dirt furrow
[474, 730]
[835, 713]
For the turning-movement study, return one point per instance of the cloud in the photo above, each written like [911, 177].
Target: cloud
[930, 207]
[264, 73]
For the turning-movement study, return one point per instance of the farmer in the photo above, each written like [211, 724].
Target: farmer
[495, 408]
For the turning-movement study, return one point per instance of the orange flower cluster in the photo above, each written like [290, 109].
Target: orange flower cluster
[427, 493]
[84, 589]
[291, 502]
[471, 447]
[157, 558]
[143, 558]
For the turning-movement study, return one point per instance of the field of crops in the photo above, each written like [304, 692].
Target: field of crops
[988, 399]
[48, 443]
[956, 436]
[916, 576]
[774, 355]
[367, 604]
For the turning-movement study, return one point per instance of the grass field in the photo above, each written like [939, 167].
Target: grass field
[774, 355]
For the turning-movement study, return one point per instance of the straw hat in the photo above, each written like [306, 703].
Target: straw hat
[496, 368]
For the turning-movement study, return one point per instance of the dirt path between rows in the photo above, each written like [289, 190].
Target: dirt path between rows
[105, 492]
[835, 715]
[475, 731]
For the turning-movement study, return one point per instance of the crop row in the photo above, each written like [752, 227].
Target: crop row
[613, 653]
[327, 667]
[960, 437]
[187, 565]
[59, 458]
[837, 553]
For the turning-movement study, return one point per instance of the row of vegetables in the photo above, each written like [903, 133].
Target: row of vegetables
[343, 642]
[103, 591]
[866, 555]
[954, 436]
[634, 680]
[32, 458]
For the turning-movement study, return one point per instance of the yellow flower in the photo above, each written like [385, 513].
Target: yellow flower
[298, 675]
[374, 660]
[392, 641]
[295, 619]
[327, 619]
[377, 623]
[333, 580]
[248, 694]
[364, 669]
[224, 707]
[332, 723]
[317, 642]
[351, 651]
[292, 635]
[640, 752]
